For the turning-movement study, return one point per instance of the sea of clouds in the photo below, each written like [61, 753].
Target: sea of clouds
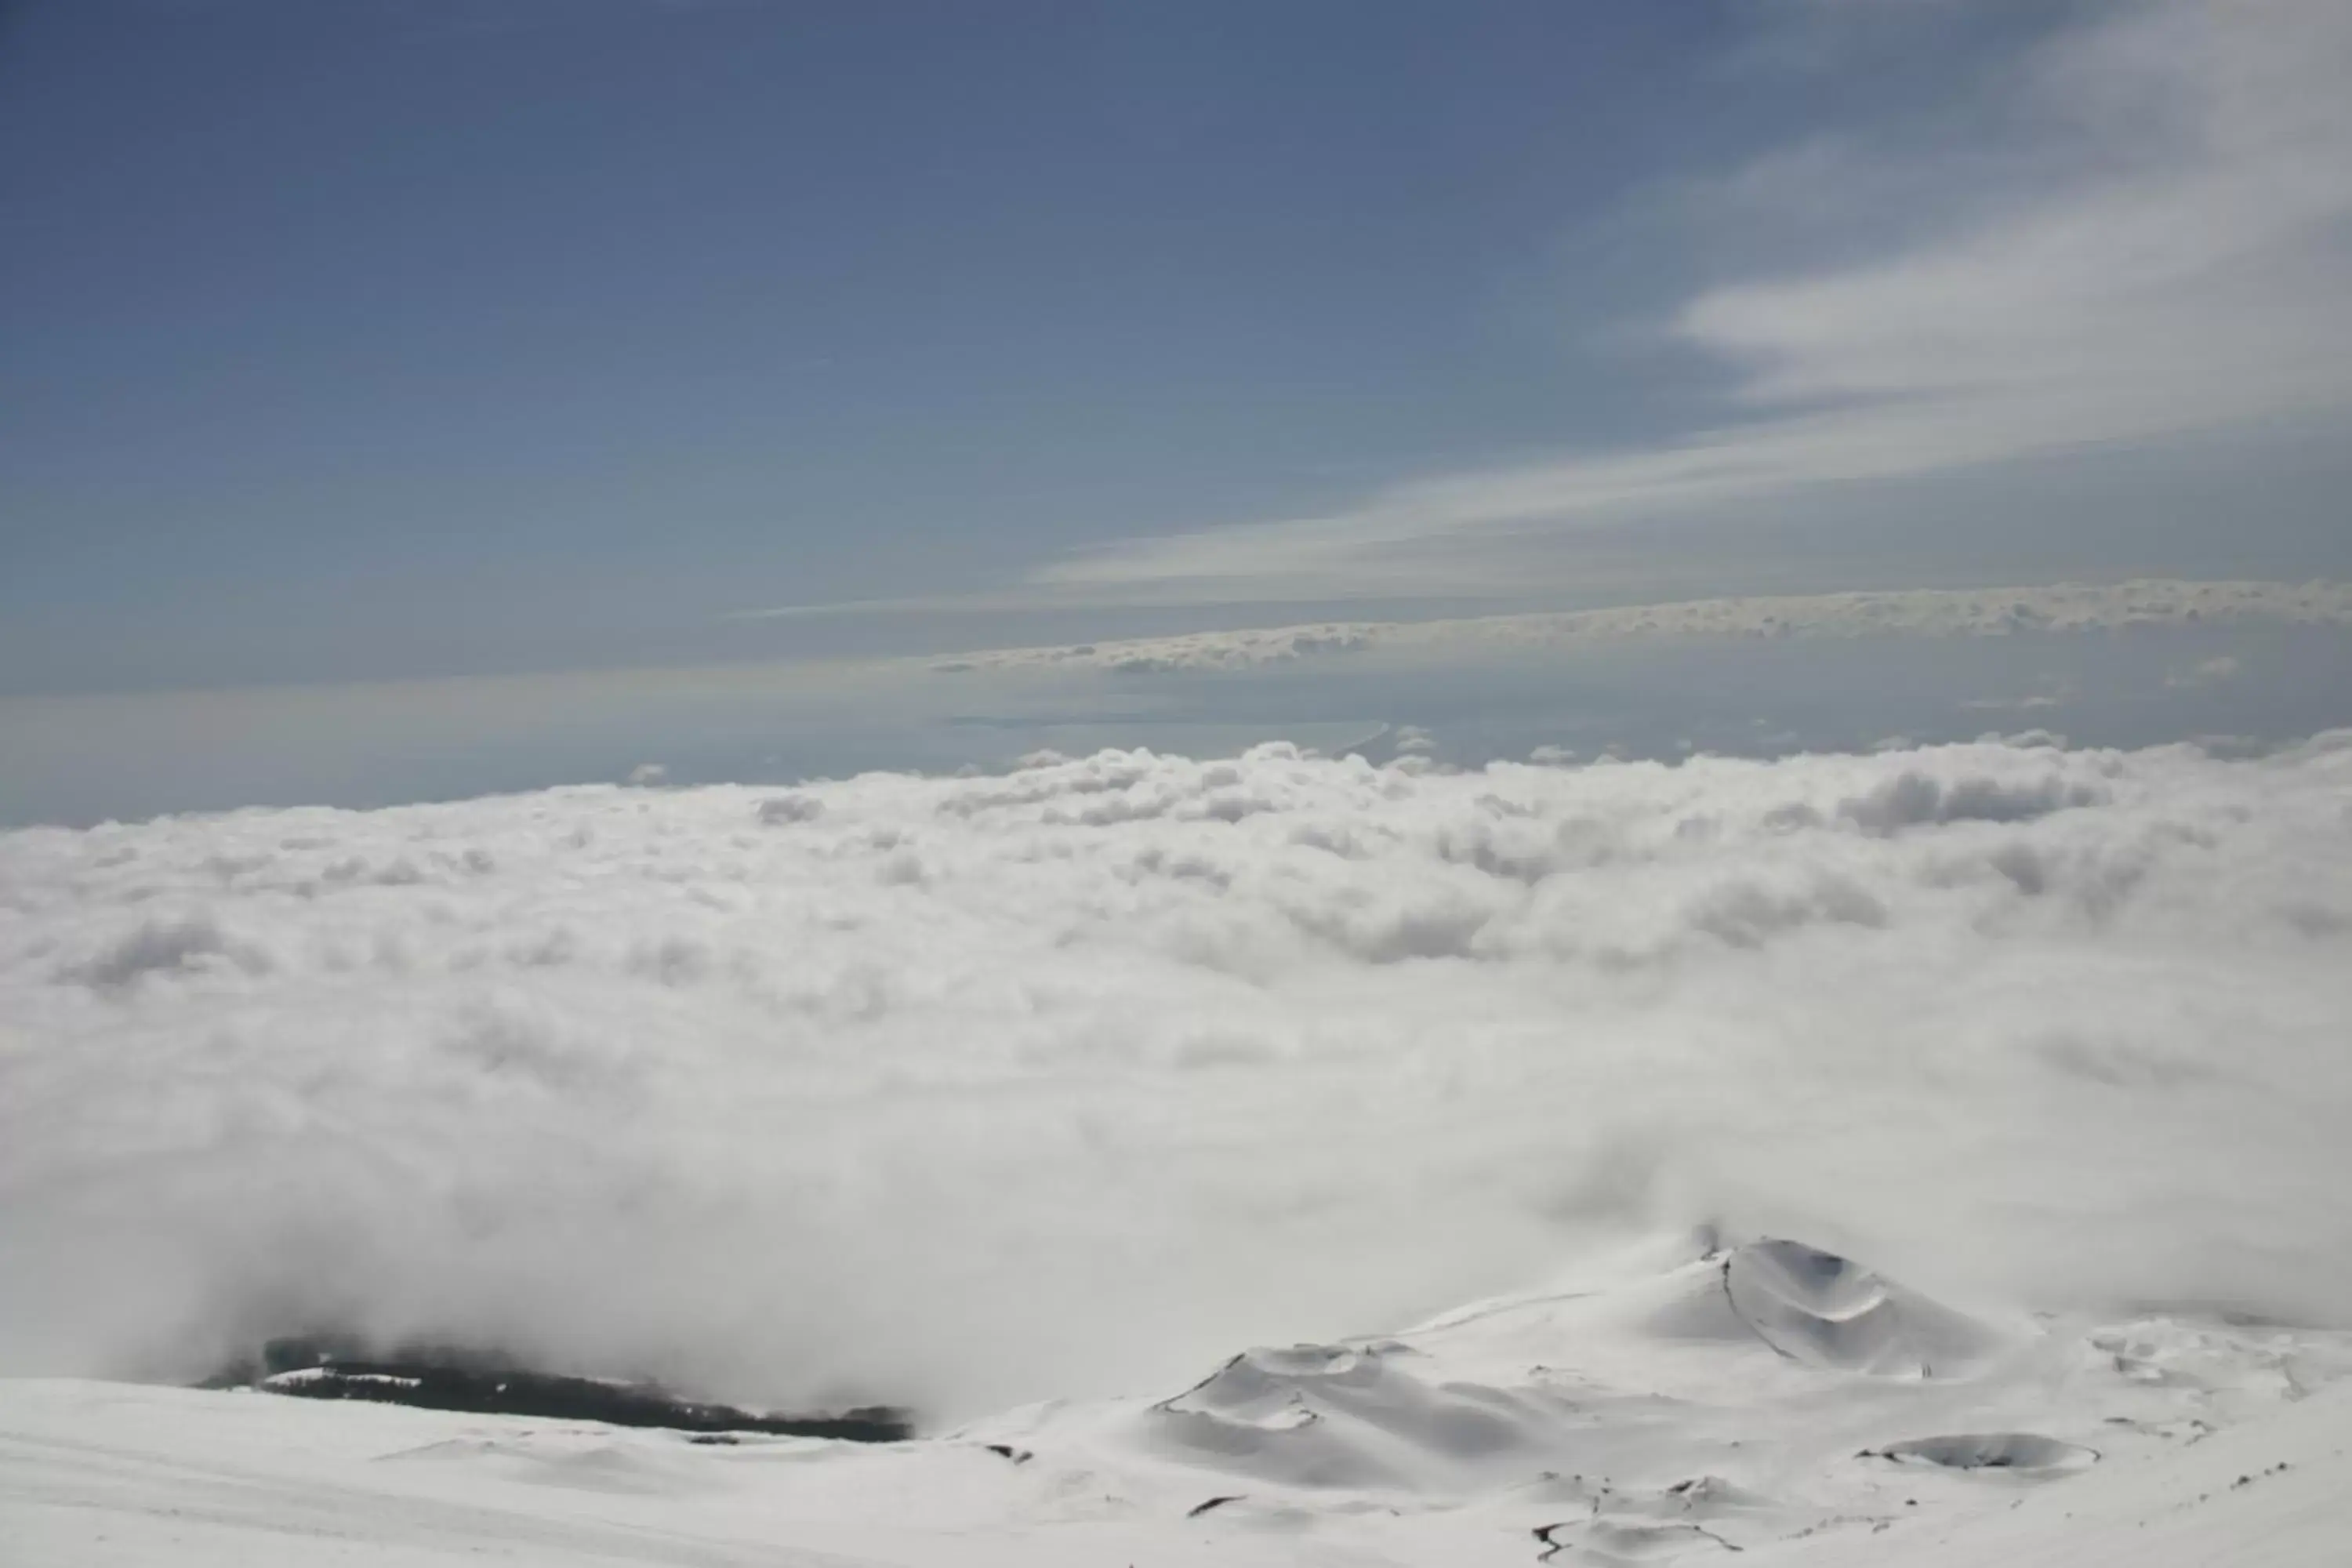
[962, 1090]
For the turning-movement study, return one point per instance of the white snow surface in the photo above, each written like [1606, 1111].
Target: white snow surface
[965, 1092]
[1631, 1417]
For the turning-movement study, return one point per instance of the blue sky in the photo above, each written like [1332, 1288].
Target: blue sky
[374, 339]
[394, 339]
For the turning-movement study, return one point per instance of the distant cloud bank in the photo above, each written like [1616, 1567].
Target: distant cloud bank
[1967, 612]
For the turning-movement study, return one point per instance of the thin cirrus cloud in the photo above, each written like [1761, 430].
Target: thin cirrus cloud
[2166, 255]
[1923, 613]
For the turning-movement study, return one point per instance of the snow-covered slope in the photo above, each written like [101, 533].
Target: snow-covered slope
[1683, 1403]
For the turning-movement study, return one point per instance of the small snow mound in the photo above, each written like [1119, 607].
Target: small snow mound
[1339, 1415]
[1825, 1311]
[1701, 1497]
[1606, 1542]
[1252, 1371]
[1551, 1487]
[1226, 1509]
[578, 1458]
[2022, 1451]
[1704, 1514]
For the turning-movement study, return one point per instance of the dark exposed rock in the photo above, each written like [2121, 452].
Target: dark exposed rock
[445, 1377]
[2022, 1451]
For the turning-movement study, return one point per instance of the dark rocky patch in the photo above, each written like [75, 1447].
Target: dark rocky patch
[2022, 1451]
[444, 1377]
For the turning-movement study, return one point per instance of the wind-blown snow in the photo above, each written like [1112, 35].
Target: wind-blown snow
[959, 1091]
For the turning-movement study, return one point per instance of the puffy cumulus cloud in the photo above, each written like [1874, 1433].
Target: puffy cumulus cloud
[961, 1090]
[1913, 612]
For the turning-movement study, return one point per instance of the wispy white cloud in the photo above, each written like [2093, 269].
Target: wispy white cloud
[1920, 613]
[2170, 254]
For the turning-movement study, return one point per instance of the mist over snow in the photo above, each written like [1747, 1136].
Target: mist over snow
[964, 1091]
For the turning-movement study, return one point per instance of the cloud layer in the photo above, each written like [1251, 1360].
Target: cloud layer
[959, 1090]
[1920, 612]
